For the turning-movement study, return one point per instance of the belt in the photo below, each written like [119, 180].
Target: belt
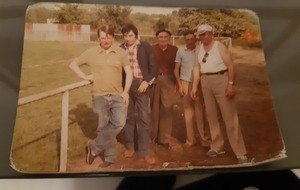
[165, 74]
[216, 73]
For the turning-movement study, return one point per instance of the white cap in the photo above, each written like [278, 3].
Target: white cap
[204, 28]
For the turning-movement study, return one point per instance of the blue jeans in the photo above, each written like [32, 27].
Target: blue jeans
[112, 113]
[139, 119]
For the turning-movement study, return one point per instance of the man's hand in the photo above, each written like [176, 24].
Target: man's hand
[230, 91]
[89, 78]
[194, 94]
[181, 90]
[125, 97]
[143, 87]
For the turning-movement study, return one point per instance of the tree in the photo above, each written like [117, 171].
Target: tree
[38, 15]
[115, 16]
[69, 14]
[168, 22]
[226, 22]
[162, 23]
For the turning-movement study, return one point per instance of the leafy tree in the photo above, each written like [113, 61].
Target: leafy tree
[115, 16]
[226, 22]
[69, 14]
[169, 22]
[38, 15]
[162, 23]
[142, 21]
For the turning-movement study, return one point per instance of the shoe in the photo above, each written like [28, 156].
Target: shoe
[129, 153]
[187, 145]
[242, 159]
[105, 164]
[149, 160]
[213, 153]
[89, 157]
[164, 145]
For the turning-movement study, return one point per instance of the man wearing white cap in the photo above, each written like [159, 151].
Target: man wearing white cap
[214, 62]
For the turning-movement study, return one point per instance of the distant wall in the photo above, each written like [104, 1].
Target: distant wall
[57, 32]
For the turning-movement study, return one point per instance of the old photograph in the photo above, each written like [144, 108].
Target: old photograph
[110, 88]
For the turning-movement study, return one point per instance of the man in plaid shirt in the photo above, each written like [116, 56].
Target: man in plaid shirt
[143, 66]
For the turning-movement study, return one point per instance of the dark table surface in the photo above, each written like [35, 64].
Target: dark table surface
[280, 28]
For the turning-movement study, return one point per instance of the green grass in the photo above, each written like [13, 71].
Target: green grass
[37, 130]
[36, 138]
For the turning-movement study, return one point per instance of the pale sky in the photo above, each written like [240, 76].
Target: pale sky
[152, 10]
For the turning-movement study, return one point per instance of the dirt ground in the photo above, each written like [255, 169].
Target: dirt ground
[257, 120]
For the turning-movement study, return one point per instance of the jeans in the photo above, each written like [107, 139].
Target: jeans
[112, 112]
[139, 119]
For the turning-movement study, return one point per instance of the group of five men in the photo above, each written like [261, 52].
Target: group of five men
[151, 76]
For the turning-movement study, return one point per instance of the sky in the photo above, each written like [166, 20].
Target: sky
[152, 10]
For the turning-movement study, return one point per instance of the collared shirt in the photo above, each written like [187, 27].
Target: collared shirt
[132, 56]
[106, 67]
[165, 58]
[186, 58]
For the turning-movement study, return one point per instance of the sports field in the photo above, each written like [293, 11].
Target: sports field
[36, 142]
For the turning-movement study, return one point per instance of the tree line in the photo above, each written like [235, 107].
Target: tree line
[235, 23]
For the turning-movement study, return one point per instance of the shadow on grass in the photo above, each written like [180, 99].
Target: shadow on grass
[85, 118]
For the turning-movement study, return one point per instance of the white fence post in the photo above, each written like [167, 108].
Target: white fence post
[64, 133]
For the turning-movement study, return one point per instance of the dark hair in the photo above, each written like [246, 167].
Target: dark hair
[130, 27]
[188, 33]
[163, 30]
[109, 30]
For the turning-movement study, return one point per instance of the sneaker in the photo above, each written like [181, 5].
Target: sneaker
[242, 159]
[89, 157]
[213, 153]
[105, 164]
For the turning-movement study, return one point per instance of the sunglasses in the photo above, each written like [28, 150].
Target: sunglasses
[204, 58]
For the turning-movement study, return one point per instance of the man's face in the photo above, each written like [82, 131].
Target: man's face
[105, 40]
[190, 40]
[163, 38]
[129, 38]
[205, 38]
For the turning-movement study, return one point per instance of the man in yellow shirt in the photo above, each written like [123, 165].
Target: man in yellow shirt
[110, 100]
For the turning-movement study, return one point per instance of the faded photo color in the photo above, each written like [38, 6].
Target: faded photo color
[55, 117]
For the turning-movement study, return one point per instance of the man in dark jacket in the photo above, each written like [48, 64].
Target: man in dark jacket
[143, 66]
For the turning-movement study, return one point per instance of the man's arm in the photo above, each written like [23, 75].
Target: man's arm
[152, 69]
[75, 68]
[177, 77]
[128, 82]
[196, 75]
[225, 55]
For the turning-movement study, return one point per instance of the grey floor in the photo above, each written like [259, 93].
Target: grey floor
[109, 183]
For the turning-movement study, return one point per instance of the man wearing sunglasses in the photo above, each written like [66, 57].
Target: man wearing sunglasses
[213, 62]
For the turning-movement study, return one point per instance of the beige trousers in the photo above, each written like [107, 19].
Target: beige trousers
[193, 113]
[213, 89]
